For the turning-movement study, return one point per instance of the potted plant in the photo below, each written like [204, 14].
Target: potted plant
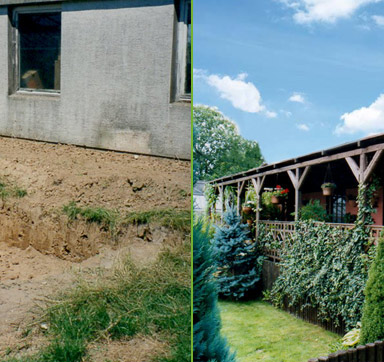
[279, 194]
[250, 200]
[328, 188]
[248, 207]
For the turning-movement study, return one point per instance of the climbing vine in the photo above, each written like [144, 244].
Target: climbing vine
[327, 267]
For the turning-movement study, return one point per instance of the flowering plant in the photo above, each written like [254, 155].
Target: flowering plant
[280, 192]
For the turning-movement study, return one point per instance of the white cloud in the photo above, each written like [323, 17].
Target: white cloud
[378, 19]
[302, 127]
[326, 11]
[367, 120]
[242, 94]
[297, 97]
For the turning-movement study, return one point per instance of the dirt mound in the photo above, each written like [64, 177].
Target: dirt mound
[55, 175]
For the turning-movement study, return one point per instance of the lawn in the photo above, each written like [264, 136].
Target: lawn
[259, 332]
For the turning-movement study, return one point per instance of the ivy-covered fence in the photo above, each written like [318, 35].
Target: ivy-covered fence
[325, 269]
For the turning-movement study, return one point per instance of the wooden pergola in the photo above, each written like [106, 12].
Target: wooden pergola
[361, 158]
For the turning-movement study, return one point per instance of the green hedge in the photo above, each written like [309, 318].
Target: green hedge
[372, 328]
[326, 268]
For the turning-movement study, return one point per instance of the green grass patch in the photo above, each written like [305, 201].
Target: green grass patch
[8, 190]
[152, 300]
[172, 218]
[258, 331]
[99, 215]
[111, 219]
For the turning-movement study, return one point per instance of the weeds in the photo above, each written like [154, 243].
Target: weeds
[152, 300]
[99, 215]
[8, 190]
[174, 219]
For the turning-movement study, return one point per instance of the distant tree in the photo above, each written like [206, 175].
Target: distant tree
[208, 344]
[218, 148]
[372, 324]
[238, 258]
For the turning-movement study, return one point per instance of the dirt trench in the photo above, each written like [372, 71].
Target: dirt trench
[41, 250]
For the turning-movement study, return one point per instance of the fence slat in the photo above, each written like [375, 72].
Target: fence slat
[379, 351]
[371, 355]
[361, 354]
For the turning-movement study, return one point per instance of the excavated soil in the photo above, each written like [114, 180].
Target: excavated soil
[40, 249]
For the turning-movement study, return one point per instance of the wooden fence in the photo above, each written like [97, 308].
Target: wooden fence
[371, 352]
[282, 230]
[270, 273]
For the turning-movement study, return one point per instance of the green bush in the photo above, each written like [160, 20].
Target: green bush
[324, 267]
[313, 211]
[372, 328]
[208, 344]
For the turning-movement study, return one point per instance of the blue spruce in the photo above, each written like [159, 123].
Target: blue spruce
[238, 257]
[208, 344]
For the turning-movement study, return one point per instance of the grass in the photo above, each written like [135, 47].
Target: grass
[152, 300]
[8, 190]
[259, 332]
[111, 219]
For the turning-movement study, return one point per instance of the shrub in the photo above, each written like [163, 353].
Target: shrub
[208, 345]
[238, 258]
[372, 328]
[313, 211]
[324, 267]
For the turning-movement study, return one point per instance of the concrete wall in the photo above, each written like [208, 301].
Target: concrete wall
[116, 72]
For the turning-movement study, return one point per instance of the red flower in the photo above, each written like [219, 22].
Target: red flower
[278, 187]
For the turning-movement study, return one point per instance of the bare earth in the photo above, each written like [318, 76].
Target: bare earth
[40, 251]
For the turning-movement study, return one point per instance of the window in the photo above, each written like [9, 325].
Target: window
[181, 85]
[37, 51]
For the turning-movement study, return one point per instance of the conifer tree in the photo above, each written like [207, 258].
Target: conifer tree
[238, 258]
[372, 324]
[208, 344]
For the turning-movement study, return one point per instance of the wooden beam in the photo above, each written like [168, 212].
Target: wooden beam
[363, 166]
[316, 161]
[372, 165]
[221, 192]
[240, 186]
[354, 167]
[304, 175]
[294, 178]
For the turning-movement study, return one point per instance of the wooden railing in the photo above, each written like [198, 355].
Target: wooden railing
[281, 230]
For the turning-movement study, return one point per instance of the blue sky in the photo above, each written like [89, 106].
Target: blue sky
[295, 75]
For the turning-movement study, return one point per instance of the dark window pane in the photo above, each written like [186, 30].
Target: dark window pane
[40, 36]
[188, 62]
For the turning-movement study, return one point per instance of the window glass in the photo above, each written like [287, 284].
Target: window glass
[188, 61]
[39, 50]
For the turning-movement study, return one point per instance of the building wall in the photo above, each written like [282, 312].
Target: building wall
[116, 75]
[351, 208]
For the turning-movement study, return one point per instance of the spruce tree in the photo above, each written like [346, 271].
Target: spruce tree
[208, 344]
[238, 258]
[372, 324]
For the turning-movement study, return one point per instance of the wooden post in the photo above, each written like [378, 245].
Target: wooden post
[240, 187]
[297, 182]
[258, 185]
[221, 193]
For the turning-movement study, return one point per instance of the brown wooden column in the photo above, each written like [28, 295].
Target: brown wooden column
[258, 185]
[221, 193]
[240, 186]
[297, 181]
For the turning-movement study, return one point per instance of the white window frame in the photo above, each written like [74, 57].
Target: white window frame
[180, 54]
[15, 47]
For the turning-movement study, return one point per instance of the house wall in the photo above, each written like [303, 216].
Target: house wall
[352, 207]
[116, 75]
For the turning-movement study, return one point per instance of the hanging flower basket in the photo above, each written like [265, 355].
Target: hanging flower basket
[250, 222]
[247, 209]
[275, 200]
[328, 188]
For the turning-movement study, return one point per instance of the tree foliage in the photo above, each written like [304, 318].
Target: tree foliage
[239, 258]
[208, 345]
[372, 328]
[218, 148]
